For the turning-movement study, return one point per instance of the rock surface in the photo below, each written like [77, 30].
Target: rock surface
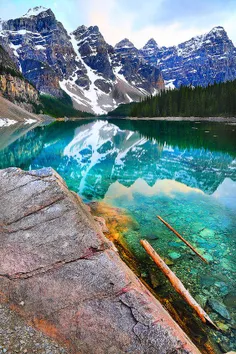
[202, 60]
[60, 273]
[17, 337]
[13, 85]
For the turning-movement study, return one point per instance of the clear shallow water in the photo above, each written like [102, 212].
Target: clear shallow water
[183, 171]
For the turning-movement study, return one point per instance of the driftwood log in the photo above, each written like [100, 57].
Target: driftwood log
[182, 239]
[176, 283]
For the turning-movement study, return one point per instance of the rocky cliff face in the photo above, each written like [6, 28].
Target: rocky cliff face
[108, 76]
[97, 76]
[13, 86]
[128, 62]
[200, 61]
[40, 45]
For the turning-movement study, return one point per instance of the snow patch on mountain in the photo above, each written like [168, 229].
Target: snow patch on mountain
[169, 84]
[90, 97]
[6, 122]
[35, 11]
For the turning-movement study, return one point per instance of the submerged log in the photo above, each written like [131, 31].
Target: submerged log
[182, 239]
[176, 283]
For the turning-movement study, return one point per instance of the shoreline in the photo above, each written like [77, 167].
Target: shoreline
[179, 119]
[174, 119]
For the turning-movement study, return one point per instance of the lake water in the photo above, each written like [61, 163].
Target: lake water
[182, 171]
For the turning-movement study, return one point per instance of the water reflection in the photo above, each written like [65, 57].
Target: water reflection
[183, 171]
[92, 155]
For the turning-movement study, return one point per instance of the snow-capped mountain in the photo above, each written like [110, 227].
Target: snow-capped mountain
[108, 76]
[93, 73]
[201, 61]
[97, 76]
[41, 48]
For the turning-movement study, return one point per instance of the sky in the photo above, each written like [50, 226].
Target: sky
[169, 22]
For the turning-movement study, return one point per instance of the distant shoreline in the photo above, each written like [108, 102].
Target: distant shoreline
[176, 119]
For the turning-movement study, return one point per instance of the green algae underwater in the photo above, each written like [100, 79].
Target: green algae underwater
[183, 171]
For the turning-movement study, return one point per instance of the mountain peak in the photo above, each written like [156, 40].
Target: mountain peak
[218, 31]
[151, 43]
[35, 11]
[80, 30]
[125, 43]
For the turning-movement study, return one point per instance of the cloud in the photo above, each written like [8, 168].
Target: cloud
[168, 21]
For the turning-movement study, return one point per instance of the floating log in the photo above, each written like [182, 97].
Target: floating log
[182, 239]
[176, 283]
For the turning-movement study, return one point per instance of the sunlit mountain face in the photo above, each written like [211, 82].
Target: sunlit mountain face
[182, 171]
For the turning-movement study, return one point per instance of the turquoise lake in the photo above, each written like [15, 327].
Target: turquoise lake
[183, 171]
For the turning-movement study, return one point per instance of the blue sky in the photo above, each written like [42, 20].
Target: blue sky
[168, 21]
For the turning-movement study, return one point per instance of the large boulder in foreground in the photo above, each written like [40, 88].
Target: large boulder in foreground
[61, 274]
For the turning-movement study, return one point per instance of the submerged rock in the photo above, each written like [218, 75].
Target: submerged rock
[152, 237]
[219, 308]
[155, 279]
[222, 326]
[207, 233]
[168, 261]
[174, 255]
[230, 300]
[207, 280]
[223, 288]
[175, 244]
[202, 300]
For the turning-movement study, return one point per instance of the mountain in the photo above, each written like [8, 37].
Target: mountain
[41, 48]
[200, 61]
[14, 86]
[96, 76]
[108, 76]
[99, 77]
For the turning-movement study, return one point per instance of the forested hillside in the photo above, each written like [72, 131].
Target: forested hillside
[215, 100]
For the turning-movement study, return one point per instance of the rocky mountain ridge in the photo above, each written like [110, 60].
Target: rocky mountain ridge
[200, 61]
[97, 76]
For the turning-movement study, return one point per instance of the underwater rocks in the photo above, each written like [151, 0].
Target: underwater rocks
[220, 308]
[174, 255]
[207, 233]
[230, 300]
[60, 273]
